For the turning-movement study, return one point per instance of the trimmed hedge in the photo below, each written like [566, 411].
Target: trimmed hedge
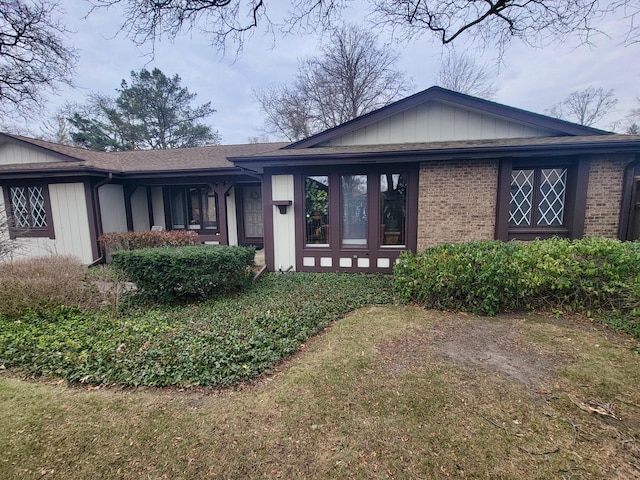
[178, 274]
[589, 275]
[117, 241]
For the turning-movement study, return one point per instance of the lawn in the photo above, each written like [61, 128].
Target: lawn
[386, 392]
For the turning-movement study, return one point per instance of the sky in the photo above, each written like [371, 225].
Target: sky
[529, 78]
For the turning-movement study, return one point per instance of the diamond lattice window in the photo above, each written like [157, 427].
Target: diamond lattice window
[521, 197]
[553, 186]
[537, 197]
[28, 207]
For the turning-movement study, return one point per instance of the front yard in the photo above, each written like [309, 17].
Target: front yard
[387, 392]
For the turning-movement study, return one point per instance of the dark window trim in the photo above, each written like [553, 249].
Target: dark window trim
[184, 189]
[375, 248]
[575, 199]
[29, 232]
[244, 240]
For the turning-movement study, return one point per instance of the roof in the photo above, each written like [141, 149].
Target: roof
[403, 152]
[79, 160]
[450, 97]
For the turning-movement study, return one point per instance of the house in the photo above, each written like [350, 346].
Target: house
[63, 198]
[436, 167]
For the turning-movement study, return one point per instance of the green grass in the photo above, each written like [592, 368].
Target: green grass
[220, 342]
[373, 397]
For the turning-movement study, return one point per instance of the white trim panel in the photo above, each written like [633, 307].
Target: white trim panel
[284, 228]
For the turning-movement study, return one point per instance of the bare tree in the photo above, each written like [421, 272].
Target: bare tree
[493, 22]
[350, 77]
[586, 107]
[33, 54]
[461, 73]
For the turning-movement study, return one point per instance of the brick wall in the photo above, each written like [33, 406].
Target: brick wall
[457, 201]
[604, 195]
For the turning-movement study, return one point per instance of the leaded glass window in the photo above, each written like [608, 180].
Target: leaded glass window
[537, 197]
[28, 207]
[553, 187]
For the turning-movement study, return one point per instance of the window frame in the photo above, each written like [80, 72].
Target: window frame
[30, 231]
[577, 179]
[185, 191]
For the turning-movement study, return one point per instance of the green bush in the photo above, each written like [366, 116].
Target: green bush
[220, 342]
[178, 274]
[117, 241]
[589, 275]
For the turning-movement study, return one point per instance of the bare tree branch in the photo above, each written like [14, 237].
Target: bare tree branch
[586, 107]
[490, 22]
[350, 77]
[461, 73]
[34, 57]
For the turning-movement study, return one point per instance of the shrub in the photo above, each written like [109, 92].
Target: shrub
[220, 342]
[588, 275]
[41, 284]
[177, 274]
[117, 241]
[474, 277]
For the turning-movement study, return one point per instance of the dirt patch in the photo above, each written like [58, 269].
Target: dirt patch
[495, 345]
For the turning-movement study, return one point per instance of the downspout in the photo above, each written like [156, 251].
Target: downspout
[98, 213]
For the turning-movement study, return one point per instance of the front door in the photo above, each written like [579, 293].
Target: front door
[250, 209]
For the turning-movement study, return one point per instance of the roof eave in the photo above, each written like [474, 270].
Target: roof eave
[475, 152]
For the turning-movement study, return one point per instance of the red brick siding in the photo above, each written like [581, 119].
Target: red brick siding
[604, 195]
[457, 202]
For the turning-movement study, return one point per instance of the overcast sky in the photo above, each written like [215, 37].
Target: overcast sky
[530, 78]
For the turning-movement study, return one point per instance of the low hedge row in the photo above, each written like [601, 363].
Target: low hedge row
[174, 275]
[589, 275]
[117, 241]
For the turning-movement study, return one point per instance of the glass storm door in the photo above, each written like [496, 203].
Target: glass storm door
[251, 222]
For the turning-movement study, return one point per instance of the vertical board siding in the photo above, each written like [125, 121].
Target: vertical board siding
[232, 216]
[436, 122]
[157, 205]
[71, 223]
[71, 220]
[12, 154]
[114, 215]
[140, 209]
[284, 225]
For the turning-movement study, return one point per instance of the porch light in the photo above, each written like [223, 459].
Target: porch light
[282, 205]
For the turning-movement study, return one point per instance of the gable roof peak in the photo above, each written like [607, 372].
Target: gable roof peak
[461, 100]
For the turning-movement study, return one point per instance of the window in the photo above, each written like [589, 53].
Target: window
[29, 211]
[353, 196]
[547, 199]
[356, 211]
[193, 208]
[316, 205]
[537, 197]
[393, 209]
